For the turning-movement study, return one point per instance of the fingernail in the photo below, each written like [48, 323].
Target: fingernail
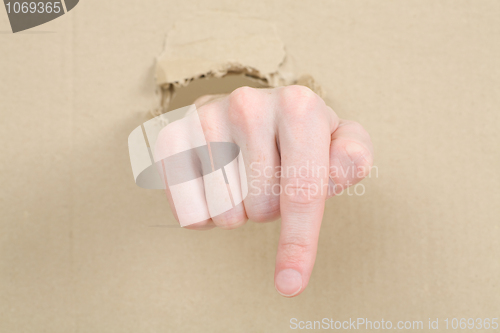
[288, 282]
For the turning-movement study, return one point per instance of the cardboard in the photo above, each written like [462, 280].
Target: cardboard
[83, 249]
[232, 44]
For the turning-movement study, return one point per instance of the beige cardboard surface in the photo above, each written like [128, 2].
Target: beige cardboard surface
[79, 250]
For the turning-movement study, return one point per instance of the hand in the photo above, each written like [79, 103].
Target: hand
[297, 153]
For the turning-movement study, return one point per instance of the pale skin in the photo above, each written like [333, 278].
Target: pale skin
[292, 128]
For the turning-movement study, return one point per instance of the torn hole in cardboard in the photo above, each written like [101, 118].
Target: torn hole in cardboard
[215, 53]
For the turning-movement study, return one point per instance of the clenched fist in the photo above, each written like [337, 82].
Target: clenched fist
[296, 154]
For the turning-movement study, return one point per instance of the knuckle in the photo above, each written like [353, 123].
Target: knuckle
[358, 153]
[360, 157]
[304, 191]
[358, 131]
[298, 100]
[243, 109]
[298, 92]
[168, 142]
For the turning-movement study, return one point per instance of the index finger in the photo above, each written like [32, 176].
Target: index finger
[304, 126]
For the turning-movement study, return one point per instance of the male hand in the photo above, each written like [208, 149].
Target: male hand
[297, 153]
